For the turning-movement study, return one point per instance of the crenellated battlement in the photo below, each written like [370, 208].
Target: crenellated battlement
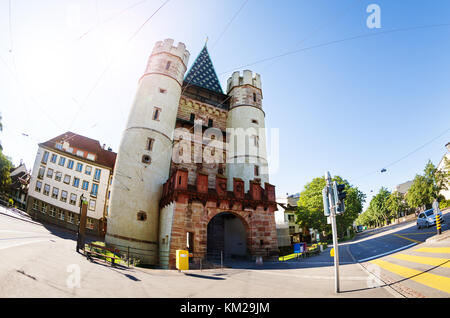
[177, 185]
[246, 78]
[168, 47]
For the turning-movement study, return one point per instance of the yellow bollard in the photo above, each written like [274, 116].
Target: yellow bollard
[332, 252]
[438, 223]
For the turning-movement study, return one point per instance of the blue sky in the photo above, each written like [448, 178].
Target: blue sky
[350, 108]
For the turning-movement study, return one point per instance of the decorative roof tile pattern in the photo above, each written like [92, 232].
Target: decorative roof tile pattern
[202, 73]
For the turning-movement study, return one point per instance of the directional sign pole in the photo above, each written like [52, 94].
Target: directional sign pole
[333, 206]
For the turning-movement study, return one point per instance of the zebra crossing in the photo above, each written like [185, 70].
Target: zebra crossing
[426, 266]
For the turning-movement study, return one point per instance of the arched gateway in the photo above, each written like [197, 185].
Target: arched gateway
[227, 235]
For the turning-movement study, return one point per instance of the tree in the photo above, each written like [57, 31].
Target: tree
[378, 208]
[426, 188]
[310, 212]
[5, 168]
[396, 204]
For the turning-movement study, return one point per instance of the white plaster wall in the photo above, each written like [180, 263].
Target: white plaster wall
[103, 184]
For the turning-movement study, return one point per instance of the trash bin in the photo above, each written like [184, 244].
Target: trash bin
[182, 263]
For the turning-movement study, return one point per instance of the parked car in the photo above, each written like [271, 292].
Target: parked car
[427, 218]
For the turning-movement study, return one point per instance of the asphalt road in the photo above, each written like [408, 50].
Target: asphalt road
[380, 242]
[41, 261]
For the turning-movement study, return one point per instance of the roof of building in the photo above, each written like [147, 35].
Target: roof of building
[403, 187]
[103, 157]
[202, 73]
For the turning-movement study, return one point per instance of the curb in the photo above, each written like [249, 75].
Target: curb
[444, 238]
[22, 219]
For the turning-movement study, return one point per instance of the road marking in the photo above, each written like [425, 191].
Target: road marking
[443, 262]
[407, 238]
[438, 250]
[431, 280]
[390, 252]
[22, 243]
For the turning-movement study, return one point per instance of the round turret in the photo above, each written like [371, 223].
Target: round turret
[247, 155]
[144, 156]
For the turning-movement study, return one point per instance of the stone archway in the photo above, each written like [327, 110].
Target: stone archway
[227, 235]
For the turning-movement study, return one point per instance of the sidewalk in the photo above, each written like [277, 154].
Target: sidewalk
[442, 239]
[18, 214]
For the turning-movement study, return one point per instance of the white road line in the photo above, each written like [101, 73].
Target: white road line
[390, 252]
[22, 243]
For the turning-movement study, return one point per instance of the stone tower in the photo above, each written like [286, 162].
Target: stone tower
[247, 154]
[144, 156]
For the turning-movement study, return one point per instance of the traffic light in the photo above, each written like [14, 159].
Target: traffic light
[339, 196]
[326, 205]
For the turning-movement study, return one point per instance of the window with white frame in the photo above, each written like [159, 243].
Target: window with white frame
[44, 208]
[55, 193]
[38, 186]
[45, 157]
[62, 161]
[85, 185]
[41, 172]
[70, 164]
[46, 189]
[67, 179]
[73, 199]
[91, 204]
[35, 205]
[80, 153]
[51, 211]
[94, 189]
[54, 157]
[58, 176]
[70, 217]
[79, 167]
[91, 156]
[50, 173]
[64, 196]
[61, 215]
[76, 182]
[97, 174]
[90, 223]
[88, 170]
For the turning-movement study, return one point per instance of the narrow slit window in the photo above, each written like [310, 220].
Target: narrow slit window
[254, 97]
[156, 113]
[210, 122]
[192, 117]
[150, 142]
[256, 170]
[168, 65]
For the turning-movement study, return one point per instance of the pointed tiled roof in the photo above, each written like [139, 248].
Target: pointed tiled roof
[202, 73]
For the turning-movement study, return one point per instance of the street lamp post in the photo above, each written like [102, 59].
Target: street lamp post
[81, 224]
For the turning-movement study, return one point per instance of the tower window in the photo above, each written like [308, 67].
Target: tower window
[150, 142]
[141, 216]
[210, 122]
[146, 159]
[162, 90]
[256, 170]
[156, 113]
[254, 97]
[168, 65]
[192, 117]
[254, 121]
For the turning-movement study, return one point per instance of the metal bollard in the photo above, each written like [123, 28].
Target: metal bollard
[438, 224]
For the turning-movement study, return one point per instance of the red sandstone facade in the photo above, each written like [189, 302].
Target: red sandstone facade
[195, 206]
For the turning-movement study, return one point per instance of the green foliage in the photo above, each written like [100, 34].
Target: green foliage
[425, 188]
[310, 212]
[5, 167]
[444, 204]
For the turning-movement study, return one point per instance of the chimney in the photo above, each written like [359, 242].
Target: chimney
[104, 145]
[109, 149]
